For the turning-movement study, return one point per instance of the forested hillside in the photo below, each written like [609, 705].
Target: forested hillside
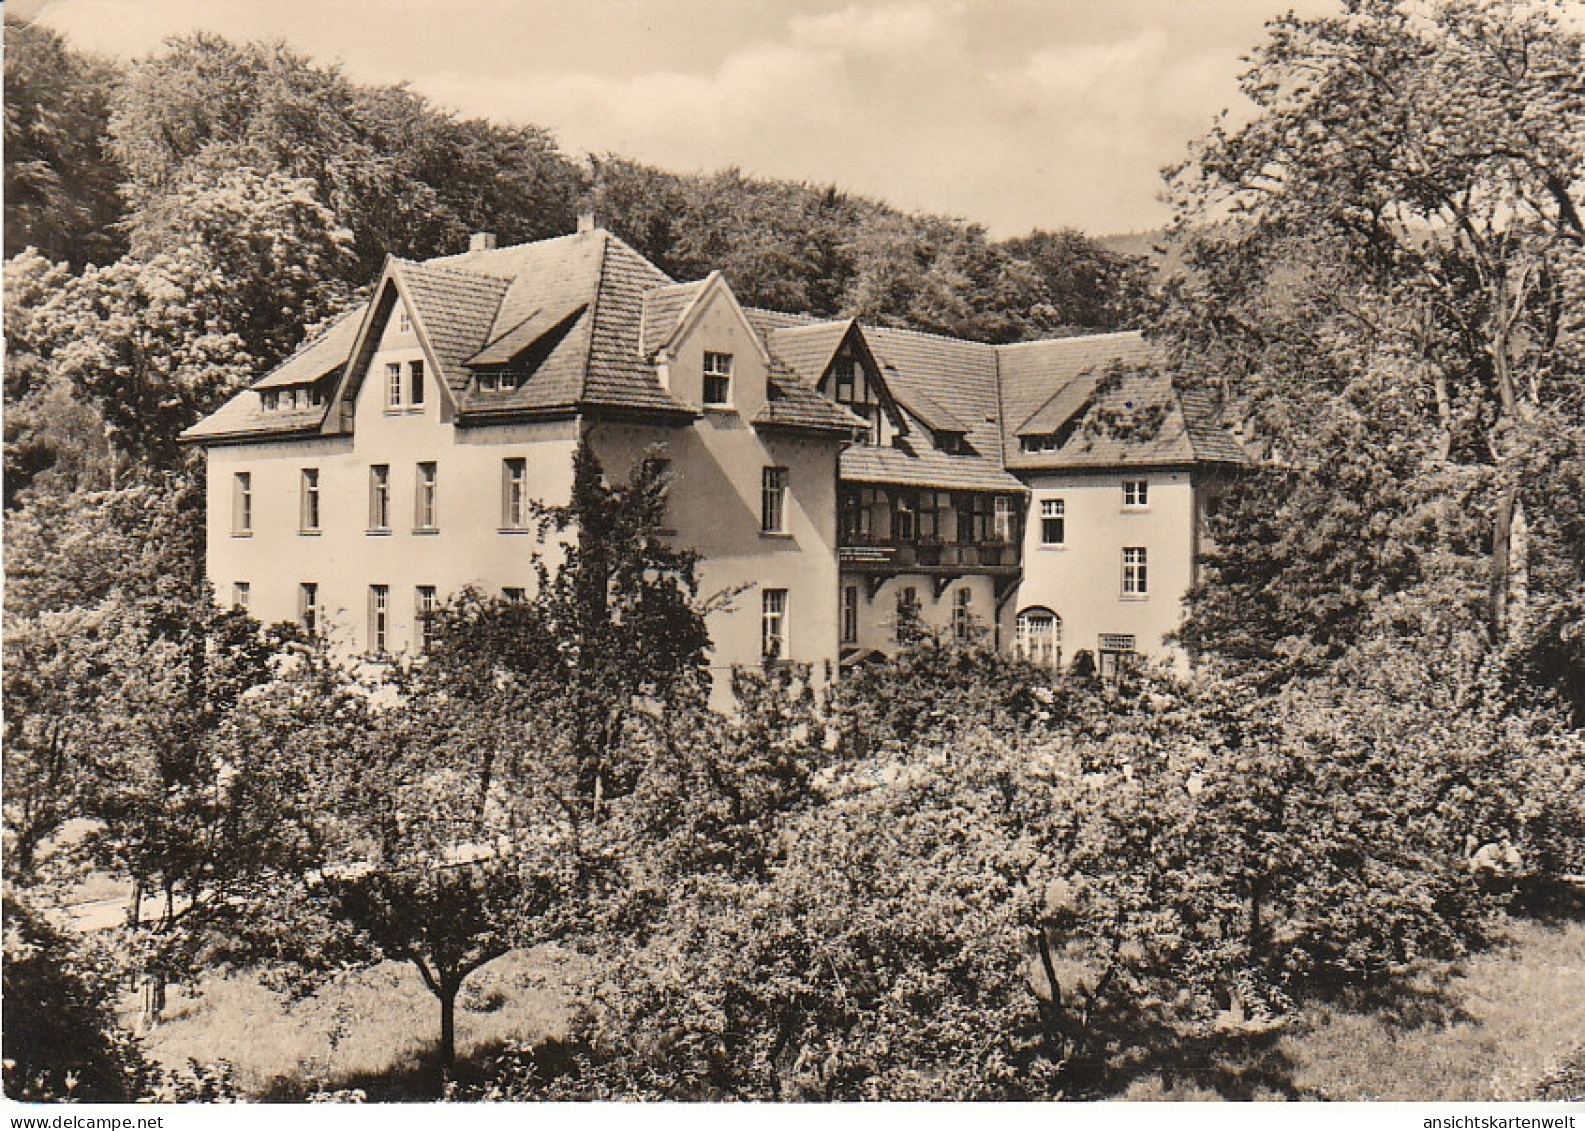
[251, 157]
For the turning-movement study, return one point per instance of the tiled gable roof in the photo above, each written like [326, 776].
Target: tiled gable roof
[1035, 374]
[932, 415]
[1210, 439]
[317, 356]
[510, 345]
[1067, 402]
[955, 376]
[792, 404]
[664, 308]
[920, 465]
[456, 309]
[807, 350]
[617, 376]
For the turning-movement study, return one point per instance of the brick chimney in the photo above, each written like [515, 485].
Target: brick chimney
[481, 241]
[586, 220]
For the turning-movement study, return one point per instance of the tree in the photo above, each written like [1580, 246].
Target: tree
[60, 180]
[1403, 215]
[224, 274]
[403, 177]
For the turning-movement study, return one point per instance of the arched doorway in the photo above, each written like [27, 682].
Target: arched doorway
[1039, 637]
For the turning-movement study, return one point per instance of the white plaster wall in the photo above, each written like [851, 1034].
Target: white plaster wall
[1083, 581]
[344, 558]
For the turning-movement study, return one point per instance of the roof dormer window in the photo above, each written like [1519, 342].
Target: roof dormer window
[717, 379]
[271, 399]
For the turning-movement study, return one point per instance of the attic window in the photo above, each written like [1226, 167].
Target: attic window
[404, 321]
[271, 399]
[495, 381]
[717, 378]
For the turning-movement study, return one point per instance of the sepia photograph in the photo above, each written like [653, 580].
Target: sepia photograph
[850, 552]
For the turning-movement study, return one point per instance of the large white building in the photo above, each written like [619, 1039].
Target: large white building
[1046, 495]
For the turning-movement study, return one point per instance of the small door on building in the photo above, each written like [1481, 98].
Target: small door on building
[1039, 637]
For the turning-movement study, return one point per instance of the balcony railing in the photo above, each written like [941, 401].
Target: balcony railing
[884, 553]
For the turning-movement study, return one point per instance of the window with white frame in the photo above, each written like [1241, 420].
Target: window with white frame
[241, 593]
[963, 614]
[1136, 493]
[717, 378]
[379, 616]
[308, 502]
[379, 496]
[773, 623]
[308, 606]
[773, 501]
[415, 383]
[425, 487]
[404, 321]
[1039, 637]
[242, 503]
[514, 493]
[1053, 522]
[850, 614]
[424, 605]
[393, 385]
[1135, 582]
[1004, 525]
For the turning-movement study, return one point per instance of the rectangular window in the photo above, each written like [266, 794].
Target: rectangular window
[490, 382]
[379, 616]
[424, 606]
[242, 503]
[308, 518]
[1004, 527]
[1116, 654]
[850, 614]
[379, 497]
[1136, 493]
[773, 623]
[393, 385]
[934, 507]
[316, 396]
[907, 612]
[1134, 580]
[514, 494]
[271, 399]
[773, 500]
[717, 378]
[415, 383]
[905, 516]
[1053, 522]
[308, 606]
[404, 321]
[963, 615]
[857, 514]
[424, 497]
[241, 591]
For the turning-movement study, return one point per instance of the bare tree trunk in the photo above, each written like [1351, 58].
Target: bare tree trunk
[448, 1029]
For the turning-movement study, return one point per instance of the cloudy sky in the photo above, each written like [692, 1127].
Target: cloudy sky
[1013, 113]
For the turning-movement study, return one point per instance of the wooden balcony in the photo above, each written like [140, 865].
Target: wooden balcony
[872, 555]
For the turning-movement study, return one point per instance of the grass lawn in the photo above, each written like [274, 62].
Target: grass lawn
[374, 1030]
[1496, 1027]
